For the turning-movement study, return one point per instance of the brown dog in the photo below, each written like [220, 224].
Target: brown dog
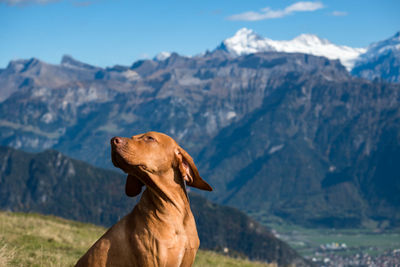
[160, 231]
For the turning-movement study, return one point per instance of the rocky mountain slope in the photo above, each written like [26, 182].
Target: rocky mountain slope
[50, 183]
[316, 152]
[191, 99]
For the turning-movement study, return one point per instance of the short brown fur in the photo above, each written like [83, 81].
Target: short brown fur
[160, 231]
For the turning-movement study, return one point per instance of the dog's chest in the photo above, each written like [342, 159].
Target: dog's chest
[169, 249]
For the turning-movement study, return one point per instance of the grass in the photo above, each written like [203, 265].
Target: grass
[38, 240]
[28, 239]
[209, 258]
[6, 255]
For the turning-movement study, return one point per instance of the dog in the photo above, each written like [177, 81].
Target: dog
[161, 230]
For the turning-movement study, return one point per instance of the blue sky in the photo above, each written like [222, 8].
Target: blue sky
[109, 32]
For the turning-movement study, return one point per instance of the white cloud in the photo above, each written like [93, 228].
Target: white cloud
[26, 2]
[268, 13]
[339, 13]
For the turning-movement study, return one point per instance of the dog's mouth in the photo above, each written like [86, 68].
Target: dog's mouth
[118, 161]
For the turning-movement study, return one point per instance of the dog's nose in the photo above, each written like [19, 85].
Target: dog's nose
[117, 141]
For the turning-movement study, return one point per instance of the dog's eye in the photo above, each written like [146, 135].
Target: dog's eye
[148, 138]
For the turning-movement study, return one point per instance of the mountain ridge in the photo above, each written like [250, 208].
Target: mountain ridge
[380, 60]
[246, 41]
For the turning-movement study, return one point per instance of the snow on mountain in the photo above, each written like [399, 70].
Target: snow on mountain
[162, 56]
[379, 48]
[246, 41]
[381, 61]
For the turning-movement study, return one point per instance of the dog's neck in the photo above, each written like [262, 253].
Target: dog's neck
[165, 209]
[167, 199]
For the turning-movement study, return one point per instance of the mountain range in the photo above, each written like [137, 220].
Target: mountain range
[246, 41]
[50, 183]
[292, 135]
[379, 60]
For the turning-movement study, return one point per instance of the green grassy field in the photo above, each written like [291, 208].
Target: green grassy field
[39, 240]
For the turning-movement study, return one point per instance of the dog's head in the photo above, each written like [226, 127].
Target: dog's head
[149, 156]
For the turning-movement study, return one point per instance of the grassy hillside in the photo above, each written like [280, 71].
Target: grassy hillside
[39, 240]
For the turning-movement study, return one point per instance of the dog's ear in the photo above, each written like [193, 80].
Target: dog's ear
[189, 171]
[133, 186]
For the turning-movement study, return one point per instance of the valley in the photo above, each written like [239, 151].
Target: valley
[349, 247]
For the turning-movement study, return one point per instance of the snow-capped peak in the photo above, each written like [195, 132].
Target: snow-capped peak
[382, 47]
[245, 34]
[162, 56]
[246, 41]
